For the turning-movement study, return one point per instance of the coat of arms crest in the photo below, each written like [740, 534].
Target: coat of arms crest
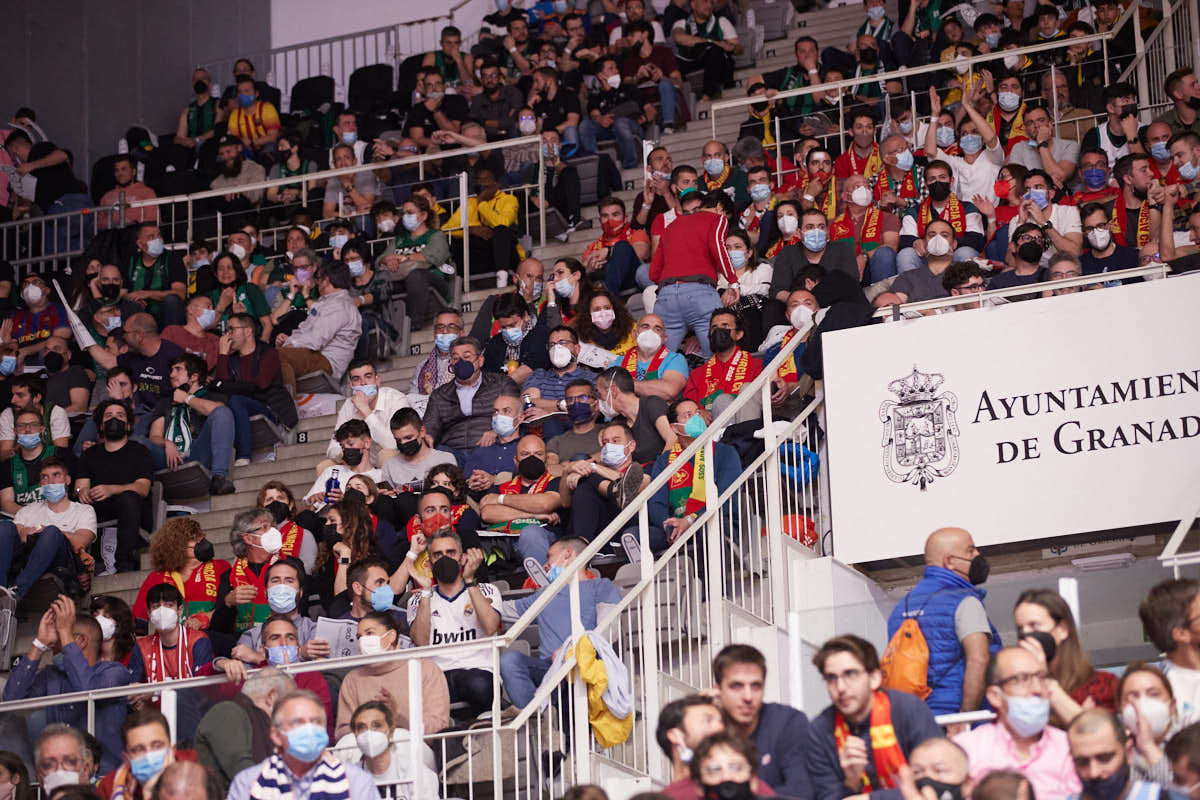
[920, 433]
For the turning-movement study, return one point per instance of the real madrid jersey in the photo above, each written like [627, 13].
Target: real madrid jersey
[453, 620]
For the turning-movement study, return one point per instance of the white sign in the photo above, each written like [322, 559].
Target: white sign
[1019, 422]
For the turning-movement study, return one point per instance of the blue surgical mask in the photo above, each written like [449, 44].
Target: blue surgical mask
[563, 287]
[357, 267]
[876, 13]
[945, 136]
[410, 222]
[904, 159]
[1188, 171]
[1038, 196]
[246, 100]
[560, 6]
[502, 6]
[8, 365]
[503, 425]
[206, 319]
[306, 742]
[281, 598]
[553, 573]
[513, 335]
[283, 654]
[714, 166]
[155, 247]
[349, 137]
[444, 340]
[971, 143]
[1028, 715]
[29, 440]
[737, 258]
[695, 426]
[992, 40]
[338, 241]
[382, 597]
[53, 492]
[815, 239]
[612, 454]
[906, 126]
[760, 192]
[1094, 178]
[147, 765]
[369, 389]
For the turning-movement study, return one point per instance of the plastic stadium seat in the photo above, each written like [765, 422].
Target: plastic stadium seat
[189, 481]
[588, 168]
[310, 94]
[372, 89]
[317, 383]
[264, 433]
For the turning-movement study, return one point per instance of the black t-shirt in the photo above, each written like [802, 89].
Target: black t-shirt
[615, 101]
[60, 384]
[151, 376]
[6, 276]
[32, 473]
[52, 182]
[534, 350]
[1121, 258]
[649, 441]
[554, 112]
[419, 116]
[126, 465]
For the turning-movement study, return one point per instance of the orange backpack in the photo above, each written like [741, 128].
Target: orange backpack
[905, 662]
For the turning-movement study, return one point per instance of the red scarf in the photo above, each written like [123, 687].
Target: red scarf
[871, 235]
[955, 213]
[514, 487]
[779, 244]
[160, 665]
[251, 613]
[885, 748]
[787, 371]
[630, 364]
[1121, 235]
[730, 382]
[906, 188]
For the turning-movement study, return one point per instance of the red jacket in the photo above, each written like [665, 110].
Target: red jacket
[693, 245]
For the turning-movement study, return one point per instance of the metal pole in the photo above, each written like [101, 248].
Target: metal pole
[542, 193]
[466, 231]
[842, 122]
[581, 746]
[649, 635]
[912, 97]
[777, 574]
[778, 153]
[121, 209]
[416, 724]
[167, 704]
[713, 543]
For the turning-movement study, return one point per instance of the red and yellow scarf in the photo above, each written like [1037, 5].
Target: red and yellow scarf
[630, 364]
[717, 182]
[256, 611]
[1016, 131]
[1121, 235]
[729, 383]
[686, 492]
[889, 758]
[787, 371]
[954, 213]
[906, 188]
[514, 487]
[872, 230]
[779, 244]
[199, 591]
[868, 167]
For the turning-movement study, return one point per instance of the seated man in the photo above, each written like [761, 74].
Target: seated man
[148, 359]
[528, 503]
[718, 381]
[1059, 222]
[492, 226]
[253, 120]
[434, 371]
[614, 258]
[846, 751]
[248, 373]
[195, 336]
[148, 750]
[372, 403]
[192, 426]
[942, 765]
[963, 216]
[48, 535]
[682, 725]
[874, 233]
[354, 439]
[597, 491]
[458, 417]
[1101, 749]
[1021, 738]
[77, 638]
[547, 387]
[284, 581]
[614, 112]
[647, 417]
[367, 582]
[925, 282]
[114, 478]
[42, 317]
[28, 393]
[225, 742]
[241, 594]
[520, 673]
[518, 345]
[156, 278]
[173, 649]
[64, 757]
[325, 340]
[112, 306]
[457, 609]
[127, 190]
[19, 484]
[68, 385]
[407, 469]
[1025, 258]
[706, 42]
[579, 442]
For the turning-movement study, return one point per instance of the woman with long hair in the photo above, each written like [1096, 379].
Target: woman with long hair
[298, 539]
[352, 521]
[607, 324]
[1148, 710]
[181, 555]
[754, 278]
[233, 294]
[420, 256]
[119, 638]
[571, 288]
[1074, 681]
[14, 773]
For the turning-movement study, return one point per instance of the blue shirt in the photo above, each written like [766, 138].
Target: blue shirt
[493, 459]
[554, 386]
[362, 783]
[554, 623]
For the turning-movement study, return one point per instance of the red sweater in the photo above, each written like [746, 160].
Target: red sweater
[693, 245]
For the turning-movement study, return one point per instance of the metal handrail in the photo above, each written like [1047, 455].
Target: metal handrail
[1170, 555]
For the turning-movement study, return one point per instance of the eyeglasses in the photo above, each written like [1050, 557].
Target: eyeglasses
[849, 676]
[1089, 228]
[1060, 276]
[1024, 680]
[738, 771]
[971, 287]
[70, 763]
[28, 427]
[1029, 238]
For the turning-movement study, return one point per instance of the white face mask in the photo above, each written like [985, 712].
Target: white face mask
[163, 618]
[800, 316]
[603, 318]
[938, 246]
[560, 356]
[1156, 712]
[108, 628]
[238, 251]
[861, 196]
[649, 341]
[370, 645]
[271, 541]
[613, 80]
[1100, 238]
[60, 777]
[32, 294]
[372, 743]
[787, 224]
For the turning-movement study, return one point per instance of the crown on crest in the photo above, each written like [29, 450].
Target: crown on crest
[917, 386]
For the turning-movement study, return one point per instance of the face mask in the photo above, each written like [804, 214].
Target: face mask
[867, 55]
[1099, 238]
[110, 291]
[303, 275]
[720, 339]
[904, 161]
[613, 81]
[861, 196]
[352, 456]
[800, 316]
[369, 389]
[943, 791]
[1109, 788]
[531, 468]
[560, 356]
[1027, 715]
[502, 6]
[979, 570]
[283, 654]
[207, 318]
[29, 440]
[971, 143]
[563, 287]
[876, 13]
[306, 742]
[906, 127]
[962, 69]
[282, 598]
[760, 192]
[612, 454]
[163, 618]
[1009, 101]
[53, 492]
[54, 361]
[60, 777]
[1094, 178]
[463, 369]
[938, 246]
[279, 512]
[526, 125]
[945, 136]
[939, 191]
[553, 573]
[155, 247]
[1011, 61]
[371, 743]
[246, 100]
[513, 335]
[714, 166]
[435, 95]
[32, 294]
[1030, 252]
[370, 645]
[443, 341]
[503, 425]
[8, 365]
[579, 411]
[815, 239]
[787, 224]
[108, 628]
[382, 598]
[349, 137]
[1038, 196]
[386, 225]
[1188, 171]
[537, 289]
[737, 258]
[353, 496]
[992, 39]
[603, 318]
[695, 426]
[409, 448]
[200, 87]
[729, 790]
[113, 323]
[1156, 712]
[114, 429]
[356, 267]
[649, 341]
[203, 551]
[337, 241]
[237, 250]
[1159, 151]
[445, 570]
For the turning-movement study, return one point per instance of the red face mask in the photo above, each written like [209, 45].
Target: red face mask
[612, 226]
[1002, 188]
[431, 525]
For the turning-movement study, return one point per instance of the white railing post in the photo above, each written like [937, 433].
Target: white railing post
[713, 545]
[416, 726]
[778, 153]
[1143, 76]
[463, 216]
[168, 705]
[1168, 33]
[776, 566]
[541, 195]
[649, 637]
[581, 749]
[1068, 589]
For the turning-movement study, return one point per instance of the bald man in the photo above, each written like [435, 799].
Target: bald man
[656, 371]
[941, 765]
[185, 780]
[947, 604]
[1101, 749]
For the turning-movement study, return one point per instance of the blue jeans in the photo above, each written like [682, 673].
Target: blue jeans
[908, 258]
[881, 264]
[627, 133]
[534, 542]
[668, 94]
[622, 267]
[687, 305]
[642, 276]
[243, 408]
[212, 447]
[50, 549]
[521, 675]
[68, 234]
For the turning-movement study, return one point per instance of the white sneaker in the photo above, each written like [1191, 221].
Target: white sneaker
[242, 462]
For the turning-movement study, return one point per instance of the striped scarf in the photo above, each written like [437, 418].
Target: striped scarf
[274, 781]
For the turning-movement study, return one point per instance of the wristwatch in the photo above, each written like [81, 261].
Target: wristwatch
[562, 404]
[469, 584]
[343, 560]
[1044, 144]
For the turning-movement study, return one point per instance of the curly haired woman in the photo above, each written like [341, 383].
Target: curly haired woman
[181, 555]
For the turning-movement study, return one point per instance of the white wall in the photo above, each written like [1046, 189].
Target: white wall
[296, 21]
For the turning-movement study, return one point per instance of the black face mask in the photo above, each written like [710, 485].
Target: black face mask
[1109, 788]
[353, 456]
[110, 291]
[978, 573]
[759, 107]
[1049, 646]
[944, 791]
[939, 191]
[200, 87]
[354, 496]
[279, 511]
[203, 550]
[531, 468]
[329, 534]
[867, 55]
[1129, 109]
[54, 361]
[720, 339]
[1194, 103]
[409, 448]
[729, 790]
[114, 429]
[445, 570]
[1030, 252]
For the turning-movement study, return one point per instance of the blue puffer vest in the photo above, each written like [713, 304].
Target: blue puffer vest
[938, 593]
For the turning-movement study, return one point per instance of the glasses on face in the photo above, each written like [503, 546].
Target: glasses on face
[29, 427]
[1024, 680]
[849, 676]
[70, 763]
[971, 287]
[1060, 276]
[1089, 228]
[734, 771]
[1029, 238]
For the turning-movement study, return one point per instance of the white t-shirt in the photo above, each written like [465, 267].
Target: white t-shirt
[968, 180]
[453, 620]
[1064, 219]
[60, 425]
[396, 782]
[344, 474]
[76, 517]
[1185, 685]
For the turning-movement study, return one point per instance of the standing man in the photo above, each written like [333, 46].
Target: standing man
[948, 607]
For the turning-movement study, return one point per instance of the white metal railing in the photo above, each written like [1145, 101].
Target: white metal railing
[1170, 556]
[1174, 43]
